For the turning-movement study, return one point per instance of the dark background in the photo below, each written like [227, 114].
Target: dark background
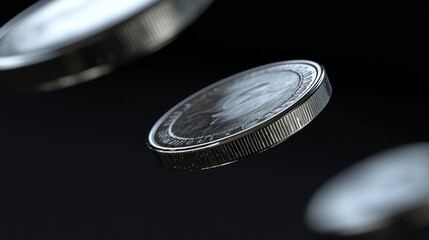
[74, 162]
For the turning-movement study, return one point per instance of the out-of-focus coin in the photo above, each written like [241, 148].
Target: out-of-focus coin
[56, 44]
[240, 115]
[384, 195]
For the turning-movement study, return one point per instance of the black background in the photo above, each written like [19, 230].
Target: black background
[74, 162]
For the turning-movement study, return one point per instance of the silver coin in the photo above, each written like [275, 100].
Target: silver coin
[56, 44]
[240, 115]
[381, 196]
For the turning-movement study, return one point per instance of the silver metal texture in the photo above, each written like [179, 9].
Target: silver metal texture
[56, 44]
[380, 197]
[241, 115]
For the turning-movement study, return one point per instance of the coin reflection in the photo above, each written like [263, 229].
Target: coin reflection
[385, 193]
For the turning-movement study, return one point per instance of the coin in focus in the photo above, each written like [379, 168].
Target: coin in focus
[241, 115]
[384, 195]
[57, 44]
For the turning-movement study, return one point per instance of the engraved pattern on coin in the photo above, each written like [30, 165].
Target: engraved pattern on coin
[234, 105]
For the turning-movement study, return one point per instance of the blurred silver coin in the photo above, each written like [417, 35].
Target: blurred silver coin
[56, 44]
[240, 115]
[383, 195]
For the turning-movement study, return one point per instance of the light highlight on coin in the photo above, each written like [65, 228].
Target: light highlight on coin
[241, 115]
[67, 42]
[378, 197]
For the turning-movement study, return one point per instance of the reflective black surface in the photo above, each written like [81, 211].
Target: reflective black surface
[74, 163]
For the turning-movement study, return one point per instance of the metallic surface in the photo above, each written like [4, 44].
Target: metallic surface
[376, 199]
[56, 44]
[241, 115]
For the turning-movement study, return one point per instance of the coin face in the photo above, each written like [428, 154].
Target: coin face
[236, 108]
[376, 195]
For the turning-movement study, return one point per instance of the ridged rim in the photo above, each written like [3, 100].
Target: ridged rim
[141, 34]
[265, 137]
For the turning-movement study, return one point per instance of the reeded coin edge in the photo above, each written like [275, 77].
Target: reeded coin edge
[260, 139]
[138, 36]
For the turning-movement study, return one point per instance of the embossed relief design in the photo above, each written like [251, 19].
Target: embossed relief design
[236, 104]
